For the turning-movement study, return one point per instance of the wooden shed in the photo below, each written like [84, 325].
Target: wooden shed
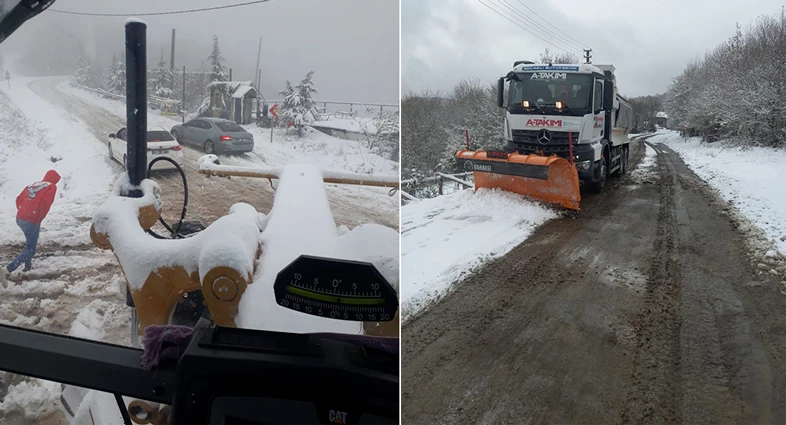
[232, 100]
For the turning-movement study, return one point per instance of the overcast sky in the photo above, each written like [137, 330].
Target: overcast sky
[351, 45]
[444, 41]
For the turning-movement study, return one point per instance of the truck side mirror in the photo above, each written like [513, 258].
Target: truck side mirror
[608, 95]
[500, 92]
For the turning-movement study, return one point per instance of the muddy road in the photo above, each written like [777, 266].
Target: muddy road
[210, 198]
[642, 309]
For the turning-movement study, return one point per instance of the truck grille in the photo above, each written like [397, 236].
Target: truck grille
[531, 137]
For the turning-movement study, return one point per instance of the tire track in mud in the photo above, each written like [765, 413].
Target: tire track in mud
[642, 308]
[656, 380]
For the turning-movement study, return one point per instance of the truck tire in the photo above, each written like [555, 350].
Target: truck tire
[624, 162]
[600, 184]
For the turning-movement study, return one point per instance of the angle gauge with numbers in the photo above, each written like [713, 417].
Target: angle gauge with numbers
[336, 289]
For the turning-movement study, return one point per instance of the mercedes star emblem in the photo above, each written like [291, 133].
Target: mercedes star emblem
[544, 137]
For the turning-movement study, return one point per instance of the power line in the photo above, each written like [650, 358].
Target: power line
[540, 28]
[176, 12]
[555, 27]
[525, 29]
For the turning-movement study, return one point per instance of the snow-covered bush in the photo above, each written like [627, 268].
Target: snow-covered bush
[381, 134]
[117, 76]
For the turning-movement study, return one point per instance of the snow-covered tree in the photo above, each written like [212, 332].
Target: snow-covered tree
[299, 107]
[217, 68]
[736, 90]
[161, 82]
[84, 71]
[117, 76]
[560, 58]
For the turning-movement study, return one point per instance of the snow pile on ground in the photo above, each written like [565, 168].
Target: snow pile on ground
[644, 172]
[29, 147]
[749, 178]
[444, 238]
[357, 125]
[98, 319]
[301, 223]
[34, 398]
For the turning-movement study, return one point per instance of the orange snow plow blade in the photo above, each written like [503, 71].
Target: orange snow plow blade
[546, 178]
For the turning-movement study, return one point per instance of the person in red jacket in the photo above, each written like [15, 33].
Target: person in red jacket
[32, 207]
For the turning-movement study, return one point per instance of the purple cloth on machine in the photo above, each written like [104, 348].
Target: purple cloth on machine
[167, 342]
[387, 345]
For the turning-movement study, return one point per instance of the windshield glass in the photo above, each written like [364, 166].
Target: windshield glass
[63, 84]
[230, 127]
[543, 89]
[158, 136]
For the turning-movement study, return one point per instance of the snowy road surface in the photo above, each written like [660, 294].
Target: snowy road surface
[648, 307]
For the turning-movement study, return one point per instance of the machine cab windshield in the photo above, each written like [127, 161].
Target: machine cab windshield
[539, 93]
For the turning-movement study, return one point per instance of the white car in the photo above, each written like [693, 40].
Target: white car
[159, 143]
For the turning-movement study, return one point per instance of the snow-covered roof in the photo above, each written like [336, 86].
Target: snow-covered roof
[241, 91]
[230, 85]
[661, 115]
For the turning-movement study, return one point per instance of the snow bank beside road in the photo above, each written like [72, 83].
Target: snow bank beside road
[750, 178]
[444, 238]
[32, 133]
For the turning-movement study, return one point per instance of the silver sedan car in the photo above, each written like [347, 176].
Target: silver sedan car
[214, 135]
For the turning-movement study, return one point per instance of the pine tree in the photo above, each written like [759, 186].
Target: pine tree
[117, 76]
[162, 80]
[299, 107]
[84, 71]
[217, 69]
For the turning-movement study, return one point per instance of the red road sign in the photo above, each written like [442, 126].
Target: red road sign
[274, 110]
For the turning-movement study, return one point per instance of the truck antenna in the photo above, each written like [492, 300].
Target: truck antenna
[588, 55]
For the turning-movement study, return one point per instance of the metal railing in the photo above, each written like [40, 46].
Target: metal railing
[355, 108]
[415, 189]
[151, 100]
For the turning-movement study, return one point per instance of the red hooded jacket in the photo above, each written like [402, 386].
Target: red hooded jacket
[35, 200]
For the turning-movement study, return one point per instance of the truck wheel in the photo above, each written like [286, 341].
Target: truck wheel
[597, 186]
[624, 162]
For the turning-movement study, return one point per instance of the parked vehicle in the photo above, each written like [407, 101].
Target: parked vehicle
[214, 135]
[565, 126]
[159, 143]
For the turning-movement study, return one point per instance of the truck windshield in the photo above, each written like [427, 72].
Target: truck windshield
[543, 89]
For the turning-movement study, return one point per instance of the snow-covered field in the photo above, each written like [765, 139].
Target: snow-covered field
[749, 178]
[444, 238]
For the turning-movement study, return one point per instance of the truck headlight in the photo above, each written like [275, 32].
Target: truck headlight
[583, 165]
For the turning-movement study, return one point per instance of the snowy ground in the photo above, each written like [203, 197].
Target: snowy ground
[444, 238]
[75, 288]
[355, 125]
[751, 179]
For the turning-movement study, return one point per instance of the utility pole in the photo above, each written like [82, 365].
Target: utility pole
[184, 94]
[588, 55]
[259, 52]
[172, 60]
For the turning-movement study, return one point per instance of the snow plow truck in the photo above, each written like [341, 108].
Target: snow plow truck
[565, 127]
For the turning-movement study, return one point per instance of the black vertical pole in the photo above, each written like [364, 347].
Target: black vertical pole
[136, 102]
[230, 74]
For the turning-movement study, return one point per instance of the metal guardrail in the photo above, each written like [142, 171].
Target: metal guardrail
[438, 180]
[123, 98]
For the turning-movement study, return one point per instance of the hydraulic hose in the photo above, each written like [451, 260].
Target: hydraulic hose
[176, 231]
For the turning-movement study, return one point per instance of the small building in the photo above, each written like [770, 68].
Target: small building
[232, 100]
[662, 120]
